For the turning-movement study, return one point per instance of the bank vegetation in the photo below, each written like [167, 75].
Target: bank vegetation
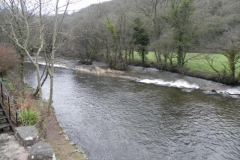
[165, 34]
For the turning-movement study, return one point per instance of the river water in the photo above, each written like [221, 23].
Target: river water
[146, 115]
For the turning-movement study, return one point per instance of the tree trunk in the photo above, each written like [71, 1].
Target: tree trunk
[180, 56]
[51, 89]
[22, 69]
[39, 84]
[143, 58]
[158, 58]
[171, 61]
[132, 55]
[129, 56]
[232, 69]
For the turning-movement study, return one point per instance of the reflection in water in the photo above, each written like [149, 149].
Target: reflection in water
[120, 119]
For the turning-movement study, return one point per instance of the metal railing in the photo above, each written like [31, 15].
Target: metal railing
[8, 103]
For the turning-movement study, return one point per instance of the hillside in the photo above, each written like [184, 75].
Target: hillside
[218, 20]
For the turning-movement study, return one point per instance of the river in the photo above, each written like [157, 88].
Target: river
[150, 116]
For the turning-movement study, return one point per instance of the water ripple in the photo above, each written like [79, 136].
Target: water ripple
[119, 119]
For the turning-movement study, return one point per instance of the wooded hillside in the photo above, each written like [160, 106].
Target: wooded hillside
[118, 31]
[216, 21]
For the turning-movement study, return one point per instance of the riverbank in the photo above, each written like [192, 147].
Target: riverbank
[100, 68]
[209, 66]
[59, 141]
[53, 133]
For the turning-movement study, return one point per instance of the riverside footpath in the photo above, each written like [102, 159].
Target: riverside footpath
[10, 149]
[25, 145]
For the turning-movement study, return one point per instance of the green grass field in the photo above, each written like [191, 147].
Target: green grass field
[196, 61]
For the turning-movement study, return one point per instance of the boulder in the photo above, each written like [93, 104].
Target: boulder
[41, 151]
[27, 135]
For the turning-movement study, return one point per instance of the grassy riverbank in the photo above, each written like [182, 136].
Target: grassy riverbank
[214, 67]
[195, 61]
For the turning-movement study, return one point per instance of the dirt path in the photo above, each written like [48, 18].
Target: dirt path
[60, 142]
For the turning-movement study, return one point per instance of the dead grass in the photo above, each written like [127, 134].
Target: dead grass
[25, 102]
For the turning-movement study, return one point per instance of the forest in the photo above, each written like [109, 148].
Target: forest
[196, 38]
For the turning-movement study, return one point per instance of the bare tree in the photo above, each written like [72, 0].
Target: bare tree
[58, 21]
[26, 23]
[18, 25]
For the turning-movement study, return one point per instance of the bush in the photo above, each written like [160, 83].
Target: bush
[8, 59]
[86, 62]
[28, 117]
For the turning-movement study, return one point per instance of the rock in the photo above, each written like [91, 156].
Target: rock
[79, 150]
[27, 136]
[4, 138]
[66, 137]
[72, 143]
[41, 151]
[59, 124]
[42, 139]
[62, 132]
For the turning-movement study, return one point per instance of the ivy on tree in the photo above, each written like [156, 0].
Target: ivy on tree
[181, 23]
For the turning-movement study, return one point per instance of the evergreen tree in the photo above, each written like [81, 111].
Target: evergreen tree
[141, 38]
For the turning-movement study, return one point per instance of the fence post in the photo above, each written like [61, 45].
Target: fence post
[9, 108]
[2, 92]
[17, 118]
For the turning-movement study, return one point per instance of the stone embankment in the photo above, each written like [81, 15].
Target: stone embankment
[26, 145]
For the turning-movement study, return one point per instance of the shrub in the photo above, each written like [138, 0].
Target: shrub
[27, 106]
[25, 102]
[28, 116]
[8, 59]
